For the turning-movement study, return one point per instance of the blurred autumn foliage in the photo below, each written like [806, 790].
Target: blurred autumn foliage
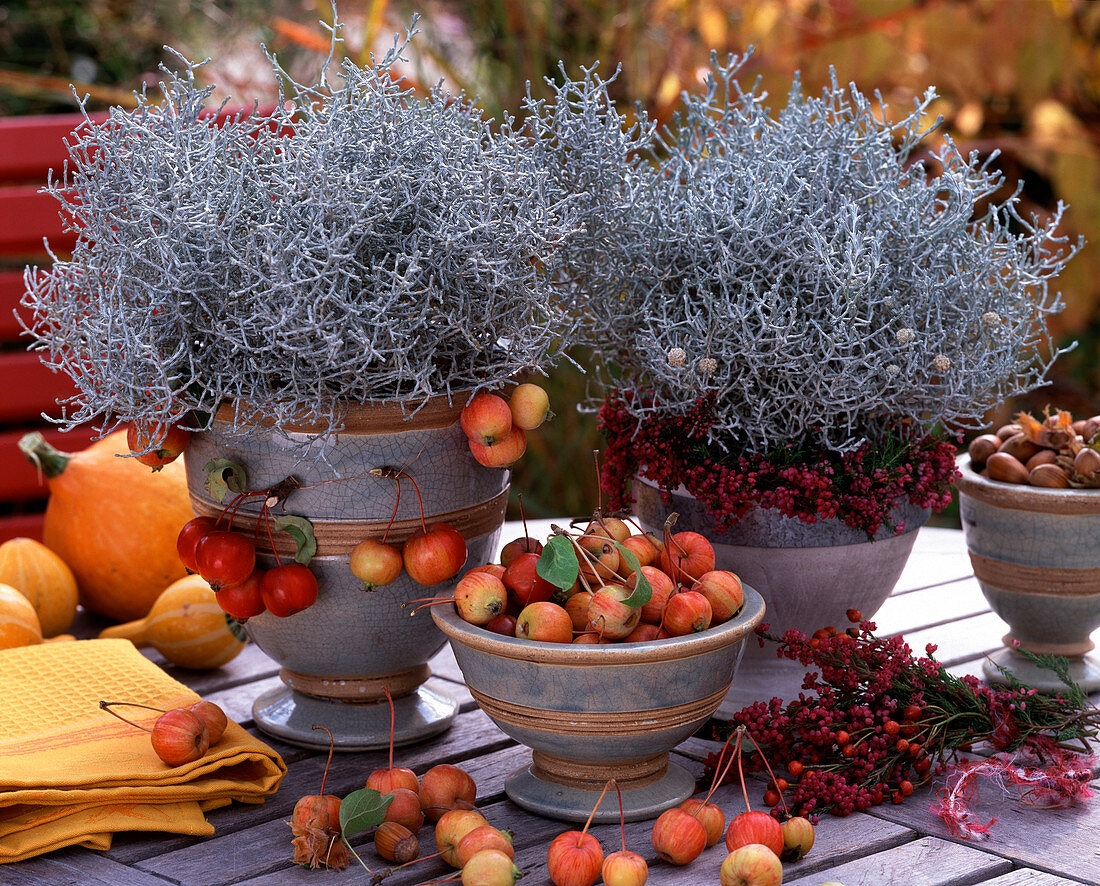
[1021, 77]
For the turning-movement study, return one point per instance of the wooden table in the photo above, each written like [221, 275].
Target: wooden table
[937, 601]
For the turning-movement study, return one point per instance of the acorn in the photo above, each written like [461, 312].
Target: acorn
[395, 842]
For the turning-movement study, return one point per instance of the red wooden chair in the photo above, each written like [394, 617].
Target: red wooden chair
[29, 147]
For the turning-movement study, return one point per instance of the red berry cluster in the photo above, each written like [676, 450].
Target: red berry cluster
[860, 487]
[875, 721]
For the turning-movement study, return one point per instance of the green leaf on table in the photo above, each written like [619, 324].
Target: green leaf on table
[558, 563]
[224, 477]
[301, 530]
[643, 590]
[362, 809]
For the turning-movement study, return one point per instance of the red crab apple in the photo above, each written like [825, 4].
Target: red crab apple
[479, 598]
[755, 827]
[224, 558]
[288, 589]
[213, 717]
[577, 607]
[642, 633]
[642, 547]
[404, 808]
[723, 591]
[244, 600]
[544, 621]
[710, 816]
[188, 539]
[453, 825]
[530, 405]
[523, 582]
[179, 736]
[663, 588]
[504, 624]
[375, 563]
[502, 453]
[604, 560]
[608, 614]
[798, 838]
[574, 859]
[517, 546]
[625, 868]
[480, 838]
[751, 865]
[434, 555]
[486, 419]
[678, 836]
[610, 527]
[169, 444]
[445, 787]
[687, 557]
[686, 613]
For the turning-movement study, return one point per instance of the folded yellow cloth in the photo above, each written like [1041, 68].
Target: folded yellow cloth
[71, 773]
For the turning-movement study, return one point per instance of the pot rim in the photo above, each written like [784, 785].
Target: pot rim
[1021, 497]
[672, 649]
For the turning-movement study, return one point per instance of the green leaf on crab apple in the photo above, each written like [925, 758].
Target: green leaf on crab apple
[643, 590]
[301, 530]
[362, 809]
[224, 477]
[558, 563]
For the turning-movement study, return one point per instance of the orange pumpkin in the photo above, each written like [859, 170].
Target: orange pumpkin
[113, 521]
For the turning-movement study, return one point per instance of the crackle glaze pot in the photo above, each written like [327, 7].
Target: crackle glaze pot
[590, 713]
[1036, 556]
[337, 655]
[809, 574]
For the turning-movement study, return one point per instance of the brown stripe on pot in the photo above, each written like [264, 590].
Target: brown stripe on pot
[337, 538]
[357, 689]
[1050, 580]
[595, 723]
[586, 776]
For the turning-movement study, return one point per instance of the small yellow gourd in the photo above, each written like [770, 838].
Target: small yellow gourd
[186, 625]
[18, 621]
[43, 578]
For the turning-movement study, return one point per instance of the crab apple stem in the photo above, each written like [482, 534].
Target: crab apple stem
[419, 500]
[741, 774]
[328, 762]
[106, 706]
[265, 512]
[592, 814]
[393, 516]
[767, 766]
[523, 520]
[599, 486]
[431, 602]
[389, 698]
[622, 818]
[718, 776]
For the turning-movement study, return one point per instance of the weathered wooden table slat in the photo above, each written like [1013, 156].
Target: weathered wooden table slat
[936, 601]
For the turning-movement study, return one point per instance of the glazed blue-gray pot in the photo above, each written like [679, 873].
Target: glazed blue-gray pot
[590, 713]
[343, 653]
[1036, 556]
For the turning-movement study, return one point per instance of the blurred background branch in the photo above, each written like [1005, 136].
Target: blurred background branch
[1021, 77]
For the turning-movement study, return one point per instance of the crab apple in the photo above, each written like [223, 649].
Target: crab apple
[503, 453]
[590, 638]
[288, 589]
[605, 559]
[317, 811]
[483, 837]
[663, 588]
[544, 621]
[188, 539]
[577, 607]
[723, 591]
[710, 815]
[755, 827]
[490, 867]
[486, 419]
[686, 613]
[244, 600]
[479, 598]
[224, 558]
[517, 546]
[213, 717]
[179, 736]
[434, 556]
[751, 865]
[445, 787]
[574, 858]
[798, 838]
[609, 615]
[688, 557]
[642, 633]
[453, 825]
[625, 868]
[524, 583]
[530, 406]
[504, 624]
[169, 444]
[375, 563]
[405, 808]
[610, 527]
[678, 836]
[642, 547]
[390, 778]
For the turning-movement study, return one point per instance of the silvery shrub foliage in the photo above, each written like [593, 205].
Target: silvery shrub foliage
[359, 242]
[805, 269]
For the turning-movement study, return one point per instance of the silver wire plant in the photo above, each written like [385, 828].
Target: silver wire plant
[808, 272]
[359, 242]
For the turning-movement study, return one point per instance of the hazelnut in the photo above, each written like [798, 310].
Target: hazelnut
[1005, 468]
[1048, 476]
[981, 448]
[1020, 447]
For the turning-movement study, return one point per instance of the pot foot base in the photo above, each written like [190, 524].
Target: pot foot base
[1085, 671]
[289, 716]
[571, 803]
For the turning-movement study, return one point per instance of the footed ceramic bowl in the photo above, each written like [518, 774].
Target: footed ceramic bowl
[1036, 555]
[590, 713]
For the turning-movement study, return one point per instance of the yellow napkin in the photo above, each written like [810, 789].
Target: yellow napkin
[71, 773]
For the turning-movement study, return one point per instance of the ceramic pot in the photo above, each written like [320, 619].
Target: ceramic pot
[809, 574]
[590, 713]
[1036, 555]
[337, 656]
